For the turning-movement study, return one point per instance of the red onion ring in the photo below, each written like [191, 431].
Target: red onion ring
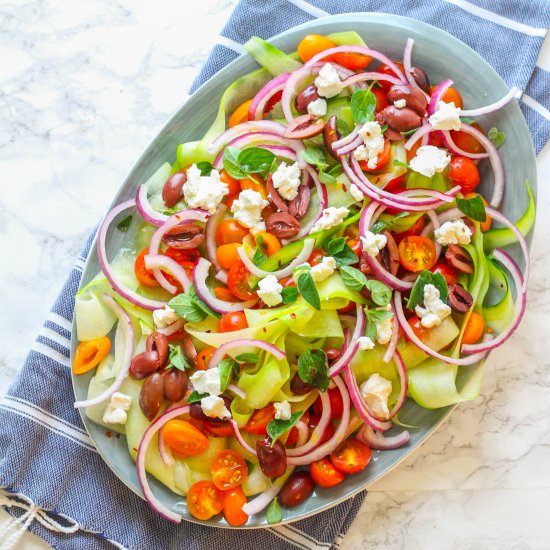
[349, 353]
[346, 139]
[349, 147]
[239, 437]
[426, 128]
[236, 390]
[376, 440]
[257, 107]
[456, 150]
[403, 381]
[368, 76]
[407, 65]
[220, 353]
[431, 228]
[391, 350]
[159, 261]
[303, 432]
[437, 94]
[146, 211]
[164, 451]
[493, 106]
[266, 126]
[264, 499]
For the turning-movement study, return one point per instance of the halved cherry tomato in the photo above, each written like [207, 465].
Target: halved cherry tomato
[257, 424]
[316, 257]
[463, 171]
[144, 276]
[240, 114]
[218, 430]
[204, 500]
[185, 258]
[203, 357]
[234, 320]
[383, 159]
[328, 431]
[312, 44]
[325, 474]
[381, 99]
[386, 85]
[396, 184]
[230, 199]
[272, 102]
[351, 456]
[227, 254]
[228, 470]
[267, 242]
[293, 434]
[230, 231]
[486, 225]
[233, 185]
[223, 293]
[89, 354]
[356, 246]
[336, 404]
[417, 253]
[452, 94]
[467, 142]
[233, 502]
[184, 438]
[474, 328]
[450, 273]
[420, 331]
[351, 61]
[237, 281]
[435, 139]
[256, 184]
[415, 229]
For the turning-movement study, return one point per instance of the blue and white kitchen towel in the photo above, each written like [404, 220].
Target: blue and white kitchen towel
[54, 481]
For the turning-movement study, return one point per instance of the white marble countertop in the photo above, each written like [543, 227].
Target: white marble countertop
[84, 85]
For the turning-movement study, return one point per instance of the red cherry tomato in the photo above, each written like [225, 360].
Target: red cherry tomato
[420, 331]
[463, 171]
[386, 85]
[383, 159]
[336, 404]
[257, 424]
[237, 282]
[187, 260]
[228, 470]
[351, 456]
[235, 320]
[204, 500]
[381, 99]
[450, 274]
[467, 142]
[218, 430]
[315, 257]
[417, 253]
[325, 474]
[327, 433]
[233, 502]
[415, 229]
[396, 184]
[293, 434]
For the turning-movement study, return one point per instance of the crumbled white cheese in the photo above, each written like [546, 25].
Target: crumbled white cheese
[204, 191]
[356, 193]
[269, 290]
[373, 143]
[287, 179]
[429, 160]
[375, 392]
[324, 269]
[454, 232]
[214, 407]
[365, 343]
[115, 413]
[434, 310]
[164, 317]
[330, 217]
[384, 330]
[317, 107]
[400, 103]
[247, 210]
[373, 243]
[328, 81]
[446, 117]
[282, 410]
[207, 381]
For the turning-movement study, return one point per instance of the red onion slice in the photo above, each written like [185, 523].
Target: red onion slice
[493, 106]
[164, 451]
[171, 329]
[263, 500]
[239, 437]
[368, 76]
[437, 94]
[220, 353]
[431, 228]
[349, 147]
[146, 211]
[159, 261]
[268, 126]
[456, 150]
[391, 350]
[303, 433]
[347, 139]
[349, 353]
[376, 440]
[403, 381]
[407, 66]
[257, 107]
[422, 131]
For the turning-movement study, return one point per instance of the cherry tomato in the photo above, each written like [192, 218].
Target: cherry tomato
[450, 95]
[382, 161]
[386, 85]
[184, 438]
[230, 199]
[218, 430]
[356, 246]
[185, 258]
[203, 358]
[223, 293]
[312, 44]
[450, 273]
[417, 327]
[351, 456]
[467, 142]
[230, 231]
[474, 328]
[293, 435]
[257, 424]
[417, 253]
[256, 184]
[227, 254]
[228, 470]
[89, 354]
[381, 99]
[204, 500]
[237, 281]
[325, 474]
[351, 61]
[486, 225]
[435, 139]
[272, 102]
[269, 243]
[240, 114]
[233, 185]
[233, 502]
[336, 404]
[327, 433]
[463, 171]
[316, 257]
[415, 229]
[235, 320]
[144, 276]
[396, 184]
[287, 281]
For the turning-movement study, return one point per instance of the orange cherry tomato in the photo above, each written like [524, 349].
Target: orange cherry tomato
[451, 94]
[411, 153]
[467, 142]
[240, 114]
[287, 281]
[474, 328]
[184, 438]
[316, 257]
[292, 438]
[312, 44]
[89, 354]
[233, 184]
[237, 281]
[420, 331]
[382, 161]
[386, 85]
[230, 231]
[218, 430]
[351, 456]
[230, 199]
[233, 502]
[486, 225]
[228, 470]
[449, 273]
[336, 404]
[269, 243]
[235, 320]
[417, 253]
[257, 423]
[223, 293]
[203, 357]
[351, 61]
[204, 500]
[144, 276]
[227, 254]
[463, 171]
[325, 474]
[256, 184]
[381, 99]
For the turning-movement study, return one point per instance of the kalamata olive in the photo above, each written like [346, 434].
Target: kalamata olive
[459, 258]
[273, 195]
[184, 236]
[299, 205]
[330, 135]
[195, 411]
[156, 341]
[392, 135]
[189, 350]
[400, 120]
[272, 458]
[175, 384]
[172, 191]
[304, 127]
[298, 386]
[144, 364]
[296, 489]
[413, 97]
[332, 353]
[421, 78]
[282, 225]
[305, 97]
[390, 254]
[151, 395]
[459, 298]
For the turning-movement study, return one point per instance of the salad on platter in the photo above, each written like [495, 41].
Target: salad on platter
[321, 257]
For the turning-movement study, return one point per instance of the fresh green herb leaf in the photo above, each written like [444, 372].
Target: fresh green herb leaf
[427, 277]
[190, 307]
[336, 170]
[250, 466]
[276, 428]
[274, 514]
[342, 127]
[346, 257]
[335, 246]
[228, 368]
[255, 160]
[353, 278]
[124, 224]
[378, 314]
[380, 225]
[497, 137]
[313, 368]
[371, 330]
[195, 396]
[399, 163]
[316, 156]
[466, 120]
[326, 178]
[380, 293]
[177, 358]
[200, 304]
[308, 290]
[383, 128]
[474, 208]
[231, 163]
[363, 104]
[248, 358]
[409, 132]
[205, 167]
[289, 294]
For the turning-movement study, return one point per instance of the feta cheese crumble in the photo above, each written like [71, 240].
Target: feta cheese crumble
[214, 407]
[116, 410]
[375, 391]
[269, 290]
[324, 269]
[356, 193]
[317, 107]
[282, 410]
[164, 317]
[247, 210]
[384, 330]
[434, 310]
[365, 343]
[373, 143]
[454, 232]
[328, 81]
[204, 191]
[373, 243]
[400, 103]
[207, 381]
[330, 217]
[446, 117]
[287, 179]
[429, 160]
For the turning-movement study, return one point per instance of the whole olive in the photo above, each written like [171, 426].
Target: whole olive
[156, 341]
[151, 395]
[305, 97]
[272, 458]
[196, 412]
[172, 191]
[144, 364]
[175, 384]
[421, 78]
[298, 386]
[296, 489]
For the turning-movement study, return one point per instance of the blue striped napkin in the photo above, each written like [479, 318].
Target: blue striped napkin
[52, 478]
